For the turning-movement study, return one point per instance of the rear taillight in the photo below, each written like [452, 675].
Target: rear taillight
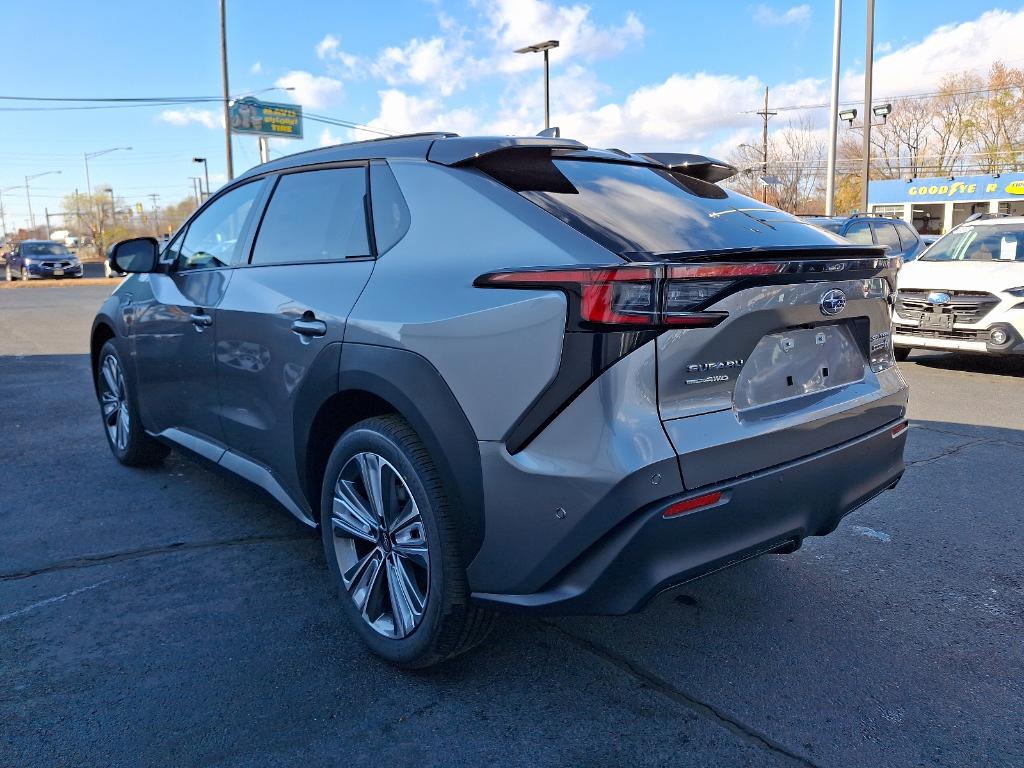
[639, 295]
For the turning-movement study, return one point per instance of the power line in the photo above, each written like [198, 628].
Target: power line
[926, 95]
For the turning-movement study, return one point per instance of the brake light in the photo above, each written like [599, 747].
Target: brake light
[647, 295]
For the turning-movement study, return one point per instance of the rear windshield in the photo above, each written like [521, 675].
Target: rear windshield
[640, 209]
[44, 249]
[986, 242]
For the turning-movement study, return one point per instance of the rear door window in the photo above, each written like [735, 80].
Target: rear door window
[641, 209]
[859, 232]
[315, 216]
[885, 233]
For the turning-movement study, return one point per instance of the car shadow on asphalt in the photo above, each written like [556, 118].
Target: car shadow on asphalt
[954, 361]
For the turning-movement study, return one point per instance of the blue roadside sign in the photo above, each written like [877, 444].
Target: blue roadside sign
[265, 118]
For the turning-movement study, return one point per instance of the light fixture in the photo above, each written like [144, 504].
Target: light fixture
[849, 115]
[882, 110]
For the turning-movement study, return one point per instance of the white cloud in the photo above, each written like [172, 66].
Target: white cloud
[769, 17]
[517, 23]
[311, 91]
[327, 138]
[327, 47]
[917, 68]
[401, 112]
[438, 62]
[190, 116]
[256, 68]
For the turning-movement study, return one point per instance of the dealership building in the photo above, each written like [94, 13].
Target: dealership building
[934, 206]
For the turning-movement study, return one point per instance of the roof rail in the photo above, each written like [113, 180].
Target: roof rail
[457, 150]
[698, 166]
[986, 215]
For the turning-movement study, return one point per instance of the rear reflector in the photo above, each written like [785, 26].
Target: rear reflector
[900, 428]
[689, 505]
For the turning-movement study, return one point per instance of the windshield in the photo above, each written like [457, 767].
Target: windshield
[985, 242]
[639, 209]
[44, 249]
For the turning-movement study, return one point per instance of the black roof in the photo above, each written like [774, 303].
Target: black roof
[452, 149]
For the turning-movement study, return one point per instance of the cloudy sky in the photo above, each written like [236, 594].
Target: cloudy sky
[641, 75]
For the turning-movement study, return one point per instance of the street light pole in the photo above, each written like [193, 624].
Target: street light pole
[28, 196]
[546, 46]
[833, 120]
[206, 172]
[227, 96]
[88, 191]
[868, 62]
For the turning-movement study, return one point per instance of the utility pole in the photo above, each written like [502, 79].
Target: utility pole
[195, 189]
[156, 211]
[868, 63]
[764, 146]
[28, 197]
[47, 211]
[227, 95]
[264, 149]
[833, 117]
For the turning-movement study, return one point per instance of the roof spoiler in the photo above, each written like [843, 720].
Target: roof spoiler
[458, 150]
[698, 166]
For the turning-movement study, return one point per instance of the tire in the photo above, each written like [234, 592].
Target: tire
[901, 353]
[24, 275]
[119, 410]
[418, 513]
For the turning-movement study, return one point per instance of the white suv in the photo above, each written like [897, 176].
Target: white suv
[966, 293]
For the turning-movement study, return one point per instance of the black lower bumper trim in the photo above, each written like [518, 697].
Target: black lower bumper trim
[772, 510]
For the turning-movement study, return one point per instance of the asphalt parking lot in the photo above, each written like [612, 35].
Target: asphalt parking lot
[175, 616]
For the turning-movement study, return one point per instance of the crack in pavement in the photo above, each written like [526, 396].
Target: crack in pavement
[952, 451]
[663, 687]
[89, 561]
[917, 425]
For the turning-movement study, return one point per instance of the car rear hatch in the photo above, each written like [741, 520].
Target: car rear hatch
[800, 362]
[772, 336]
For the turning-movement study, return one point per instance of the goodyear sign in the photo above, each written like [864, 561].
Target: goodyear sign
[264, 118]
[943, 189]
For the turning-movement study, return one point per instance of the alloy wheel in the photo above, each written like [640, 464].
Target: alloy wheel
[114, 402]
[380, 545]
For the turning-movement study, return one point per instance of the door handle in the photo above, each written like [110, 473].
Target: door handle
[201, 320]
[310, 328]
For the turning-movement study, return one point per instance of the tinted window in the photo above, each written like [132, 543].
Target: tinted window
[885, 231]
[390, 213]
[213, 237]
[639, 209]
[860, 233]
[908, 236]
[315, 216]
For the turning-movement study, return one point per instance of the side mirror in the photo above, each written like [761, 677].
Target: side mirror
[140, 254]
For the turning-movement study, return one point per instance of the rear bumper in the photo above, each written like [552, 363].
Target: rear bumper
[1014, 345]
[768, 510]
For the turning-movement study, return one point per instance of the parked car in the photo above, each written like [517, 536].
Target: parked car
[966, 294]
[895, 235]
[41, 258]
[509, 374]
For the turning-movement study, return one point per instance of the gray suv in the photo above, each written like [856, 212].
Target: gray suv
[509, 374]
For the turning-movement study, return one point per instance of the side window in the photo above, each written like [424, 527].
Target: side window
[315, 216]
[885, 231]
[908, 236]
[390, 213]
[213, 237]
[170, 253]
[859, 233]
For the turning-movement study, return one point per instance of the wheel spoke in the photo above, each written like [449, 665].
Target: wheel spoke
[410, 544]
[360, 577]
[109, 376]
[349, 515]
[110, 406]
[370, 470]
[407, 601]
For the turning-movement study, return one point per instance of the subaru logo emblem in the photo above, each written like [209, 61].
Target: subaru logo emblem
[938, 297]
[833, 302]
